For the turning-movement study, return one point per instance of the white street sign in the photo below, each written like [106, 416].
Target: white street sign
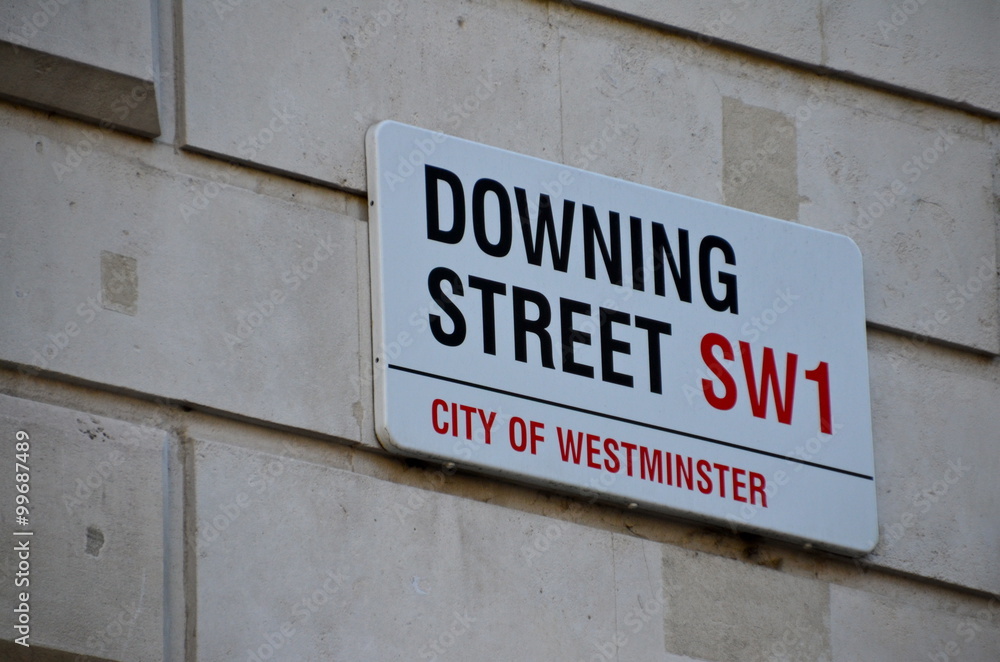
[618, 342]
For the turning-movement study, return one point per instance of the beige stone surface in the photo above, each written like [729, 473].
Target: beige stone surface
[936, 428]
[483, 70]
[873, 627]
[729, 611]
[220, 296]
[655, 108]
[112, 34]
[316, 562]
[761, 155]
[96, 559]
[946, 50]
[92, 59]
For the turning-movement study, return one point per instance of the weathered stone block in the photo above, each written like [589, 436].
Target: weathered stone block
[96, 510]
[301, 560]
[463, 68]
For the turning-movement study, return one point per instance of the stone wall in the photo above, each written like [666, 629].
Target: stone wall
[185, 325]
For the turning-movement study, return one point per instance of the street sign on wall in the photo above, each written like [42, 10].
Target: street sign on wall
[618, 342]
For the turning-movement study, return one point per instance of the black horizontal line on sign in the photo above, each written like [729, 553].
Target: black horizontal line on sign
[622, 419]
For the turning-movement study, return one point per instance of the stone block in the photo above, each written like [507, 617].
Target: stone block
[116, 35]
[935, 462]
[90, 59]
[298, 560]
[916, 194]
[653, 114]
[923, 47]
[96, 510]
[729, 611]
[873, 627]
[121, 271]
[912, 185]
[785, 28]
[948, 50]
[481, 70]
[761, 156]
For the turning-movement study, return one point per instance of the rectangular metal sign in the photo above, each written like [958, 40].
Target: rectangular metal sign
[618, 342]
